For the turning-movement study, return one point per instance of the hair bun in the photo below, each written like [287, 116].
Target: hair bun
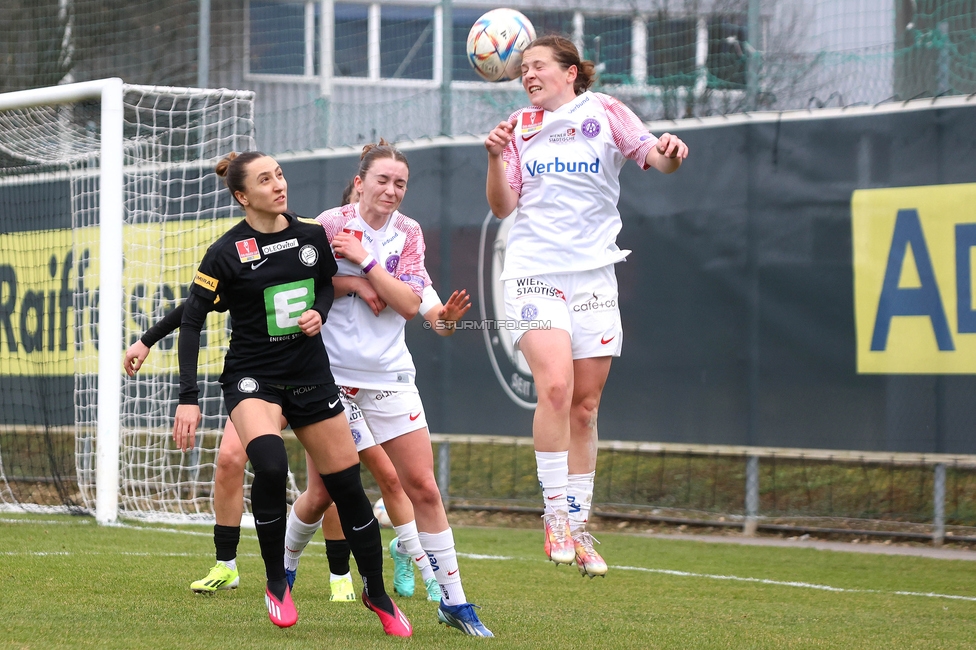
[372, 145]
[224, 164]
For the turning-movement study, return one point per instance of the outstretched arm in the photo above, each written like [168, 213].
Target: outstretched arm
[443, 318]
[667, 154]
[136, 355]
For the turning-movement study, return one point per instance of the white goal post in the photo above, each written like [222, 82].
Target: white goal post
[109, 92]
[108, 200]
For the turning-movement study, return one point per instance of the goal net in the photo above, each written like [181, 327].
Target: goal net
[108, 201]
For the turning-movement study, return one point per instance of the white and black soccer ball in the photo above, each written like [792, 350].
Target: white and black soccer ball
[496, 42]
[382, 516]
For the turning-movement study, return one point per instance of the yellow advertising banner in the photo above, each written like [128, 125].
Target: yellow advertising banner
[913, 279]
[49, 295]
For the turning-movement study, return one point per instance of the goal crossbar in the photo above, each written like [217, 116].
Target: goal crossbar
[110, 93]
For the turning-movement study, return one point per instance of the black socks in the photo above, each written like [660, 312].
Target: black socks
[226, 539]
[270, 462]
[337, 551]
[361, 530]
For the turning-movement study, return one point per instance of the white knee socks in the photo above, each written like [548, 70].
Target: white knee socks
[553, 470]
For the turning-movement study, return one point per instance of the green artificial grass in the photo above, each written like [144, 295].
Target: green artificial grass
[69, 583]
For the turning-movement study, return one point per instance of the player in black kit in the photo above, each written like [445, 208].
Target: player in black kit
[274, 273]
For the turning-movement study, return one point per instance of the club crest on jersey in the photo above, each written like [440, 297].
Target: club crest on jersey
[308, 255]
[247, 250]
[531, 124]
[391, 263]
[590, 127]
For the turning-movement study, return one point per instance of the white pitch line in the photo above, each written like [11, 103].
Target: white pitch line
[39, 553]
[785, 583]
[476, 556]
[113, 554]
[192, 532]
[43, 521]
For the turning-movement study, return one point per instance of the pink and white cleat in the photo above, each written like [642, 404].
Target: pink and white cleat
[588, 561]
[559, 542]
[281, 612]
[395, 624]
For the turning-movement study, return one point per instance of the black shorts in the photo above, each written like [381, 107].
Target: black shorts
[301, 405]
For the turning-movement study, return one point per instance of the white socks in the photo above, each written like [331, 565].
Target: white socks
[579, 495]
[443, 561]
[553, 470]
[297, 536]
[230, 564]
[408, 542]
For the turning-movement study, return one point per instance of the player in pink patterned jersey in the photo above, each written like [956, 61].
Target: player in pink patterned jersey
[380, 255]
[556, 166]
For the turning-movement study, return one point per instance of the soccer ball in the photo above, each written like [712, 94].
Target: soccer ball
[382, 517]
[496, 42]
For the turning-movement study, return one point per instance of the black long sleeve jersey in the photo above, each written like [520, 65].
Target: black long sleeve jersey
[170, 323]
[266, 280]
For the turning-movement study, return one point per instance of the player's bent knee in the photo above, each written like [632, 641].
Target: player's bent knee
[557, 395]
[318, 500]
[584, 413]
[389, 484]
[231, 463]
[268, 457]
[424, 492]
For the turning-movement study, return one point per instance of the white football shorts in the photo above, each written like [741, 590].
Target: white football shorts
[376, 416]
[583, 303]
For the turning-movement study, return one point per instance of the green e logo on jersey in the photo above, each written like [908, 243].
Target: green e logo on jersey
[284, 303]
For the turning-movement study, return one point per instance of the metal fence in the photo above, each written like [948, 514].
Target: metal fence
[922, 497]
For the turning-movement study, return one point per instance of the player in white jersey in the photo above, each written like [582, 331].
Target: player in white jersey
[307, 511]
[231, 460]
[372, 455]
[376, 245]
[556, 165]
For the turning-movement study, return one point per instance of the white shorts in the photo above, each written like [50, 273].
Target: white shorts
[583, 303]
[376, 416]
